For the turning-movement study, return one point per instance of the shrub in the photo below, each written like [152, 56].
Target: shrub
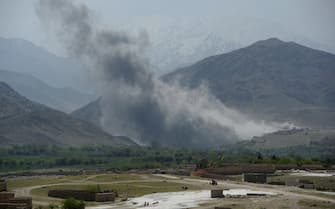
[72, 203]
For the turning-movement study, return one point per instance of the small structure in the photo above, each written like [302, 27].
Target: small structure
[306, 184]
[27, 202]
[292, 182]
[105, 197]
[217, 193]
[259, 178]
[282, 183]
[9, 201]
[13, 206]
[6, 196]
[84, 195]
[238, 168]
[3, 185]
[256, 194]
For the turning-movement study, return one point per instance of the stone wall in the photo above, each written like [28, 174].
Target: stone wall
[13, 206]
[6, 196]
[3, 186]
[77, 194]
[9, 201]
[302, 167]
[83, 195]
[216, 193]
[105, 197]
[27, 201]
[254, 178]
[235, 169]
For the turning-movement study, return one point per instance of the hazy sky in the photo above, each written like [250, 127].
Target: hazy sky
[313, 18]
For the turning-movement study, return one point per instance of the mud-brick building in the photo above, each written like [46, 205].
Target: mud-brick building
[259, 178]
[105, 197]
[6, 196]
[306, 184]
[21, 202]
[9, 201]
[83, 195]
[217, 193]
[3, 186]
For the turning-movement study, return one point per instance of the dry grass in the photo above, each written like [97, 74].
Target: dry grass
[133, 189]
[313, 204]
[326, 183]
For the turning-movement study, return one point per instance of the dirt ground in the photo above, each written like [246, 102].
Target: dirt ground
[286, 198]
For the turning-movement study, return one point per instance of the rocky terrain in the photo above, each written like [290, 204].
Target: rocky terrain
[25, 122]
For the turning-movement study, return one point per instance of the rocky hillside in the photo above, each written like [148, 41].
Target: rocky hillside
[90, 112]
[25, 122]
[270, 79]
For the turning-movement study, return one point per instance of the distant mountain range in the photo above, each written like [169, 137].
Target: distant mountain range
[179, 41]
[290, 138]
[25, 122]
[23, 56]
[270, 79]
[63, 99]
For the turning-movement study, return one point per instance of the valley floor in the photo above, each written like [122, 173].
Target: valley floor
[134, 189]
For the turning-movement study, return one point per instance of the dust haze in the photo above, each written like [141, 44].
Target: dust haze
[134, 102]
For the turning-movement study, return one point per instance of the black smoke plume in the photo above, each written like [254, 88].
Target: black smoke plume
[134, 103]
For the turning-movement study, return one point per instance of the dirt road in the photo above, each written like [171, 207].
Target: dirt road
[284, 193]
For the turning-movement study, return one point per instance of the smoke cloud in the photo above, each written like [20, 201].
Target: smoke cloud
[134, 102]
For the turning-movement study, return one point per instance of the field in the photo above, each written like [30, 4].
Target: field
[321, 183]
[137, 185]
[315, 204]
[125, 189]
[127, 185]
[281, 203]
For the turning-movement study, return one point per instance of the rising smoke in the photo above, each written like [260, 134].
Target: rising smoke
[134, 103]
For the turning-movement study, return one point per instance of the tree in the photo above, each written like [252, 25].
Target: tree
[259, 156]
[203, 163]
[72, 203]
[52, 206]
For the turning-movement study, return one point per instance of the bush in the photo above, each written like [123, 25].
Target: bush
[52, 206]
[72, 203]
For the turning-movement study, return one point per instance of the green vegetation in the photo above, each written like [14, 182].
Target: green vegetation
[32, 157]
[72, 203]
[95, 179]
[17, 183]
[124, 189]
[94, 188]
[115, 177]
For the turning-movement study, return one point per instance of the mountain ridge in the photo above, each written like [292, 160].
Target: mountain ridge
[24, 56]
[270, 78]
[63, 99]
[25, 122]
